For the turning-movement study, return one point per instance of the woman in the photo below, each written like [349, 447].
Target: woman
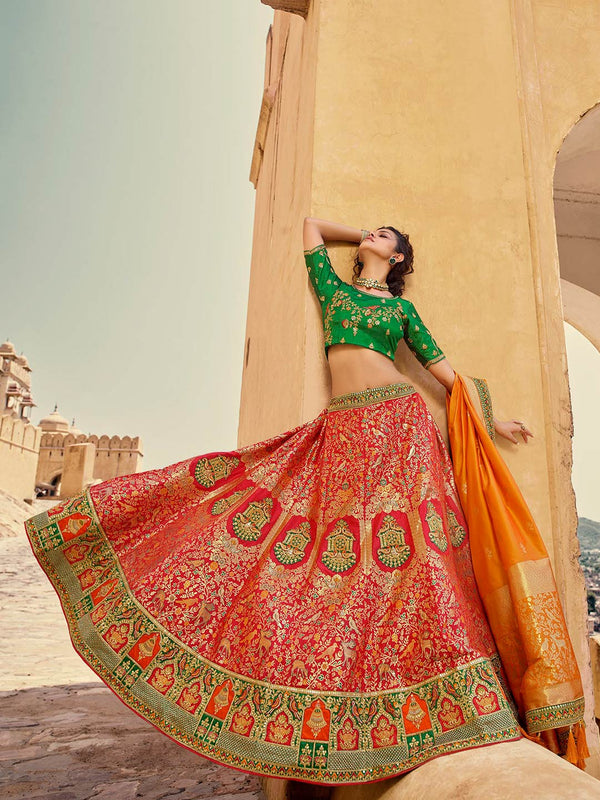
[383, 255]
[304, 607]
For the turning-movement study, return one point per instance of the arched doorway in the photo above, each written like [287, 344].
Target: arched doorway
[577, 213]
[584, 380]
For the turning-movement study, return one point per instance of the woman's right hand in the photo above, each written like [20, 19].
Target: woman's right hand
[508, 429]
[318, 231]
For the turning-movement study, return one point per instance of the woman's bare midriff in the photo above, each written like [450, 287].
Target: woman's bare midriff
[356, 368]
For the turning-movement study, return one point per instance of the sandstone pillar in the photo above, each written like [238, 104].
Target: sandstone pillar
[78, 468]
[443, 120]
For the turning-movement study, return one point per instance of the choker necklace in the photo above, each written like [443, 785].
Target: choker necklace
[370, 283]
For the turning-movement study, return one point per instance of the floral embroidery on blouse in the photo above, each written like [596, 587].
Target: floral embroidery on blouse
[351, 316]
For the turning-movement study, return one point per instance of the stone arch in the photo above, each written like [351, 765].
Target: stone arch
[577, 214]
[581, 309]
[55, 481]
[576, 197]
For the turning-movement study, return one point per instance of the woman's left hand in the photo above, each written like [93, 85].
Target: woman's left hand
[508, 429]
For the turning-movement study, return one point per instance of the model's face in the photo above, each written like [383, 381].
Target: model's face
[381, 241]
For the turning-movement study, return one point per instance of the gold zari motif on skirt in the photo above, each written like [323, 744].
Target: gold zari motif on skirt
[291, 608]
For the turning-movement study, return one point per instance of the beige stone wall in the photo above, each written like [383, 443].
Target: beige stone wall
[445, 121]
[559, 82]
[19, 446]
[274, 383]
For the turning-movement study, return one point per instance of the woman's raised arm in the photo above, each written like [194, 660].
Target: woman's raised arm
[318, 231]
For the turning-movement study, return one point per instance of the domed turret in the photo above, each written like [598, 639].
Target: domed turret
[55, 422]
[7, 348]
[22, 360]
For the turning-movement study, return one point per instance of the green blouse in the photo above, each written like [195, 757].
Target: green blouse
[351, 316]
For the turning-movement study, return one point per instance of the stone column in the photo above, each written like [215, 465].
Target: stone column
[78, 471]
[444, 121]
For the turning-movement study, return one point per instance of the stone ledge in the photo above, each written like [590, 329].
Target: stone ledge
[504, 771]
[293, 6]
[261, 132]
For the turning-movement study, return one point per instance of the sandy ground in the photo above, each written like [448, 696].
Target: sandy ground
[63, 734]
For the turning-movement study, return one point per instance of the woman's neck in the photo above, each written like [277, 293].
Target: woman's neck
[375, 268]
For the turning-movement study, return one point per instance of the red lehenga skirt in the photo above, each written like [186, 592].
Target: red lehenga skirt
[304, 607]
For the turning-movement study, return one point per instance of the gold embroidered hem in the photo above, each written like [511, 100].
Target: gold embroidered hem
[434, 360]
[554, 716]
[486, 406]
[481, 401]
[304, 607]
[261, 727]
[314, 249]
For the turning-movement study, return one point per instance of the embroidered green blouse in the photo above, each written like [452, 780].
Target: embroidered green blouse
[351, 316]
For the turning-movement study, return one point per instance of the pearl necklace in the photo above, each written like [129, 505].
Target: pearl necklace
[370, 283]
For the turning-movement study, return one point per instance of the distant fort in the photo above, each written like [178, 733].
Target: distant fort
[52, 459]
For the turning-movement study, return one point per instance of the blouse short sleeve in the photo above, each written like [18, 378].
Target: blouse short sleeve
[320, 272]
[418, 338]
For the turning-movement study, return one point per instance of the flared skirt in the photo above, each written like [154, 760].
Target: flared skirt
[303, 607]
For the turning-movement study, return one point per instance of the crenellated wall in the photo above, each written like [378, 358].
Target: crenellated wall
[115, 455]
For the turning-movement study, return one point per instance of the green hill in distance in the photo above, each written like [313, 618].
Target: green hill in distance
[588, 533]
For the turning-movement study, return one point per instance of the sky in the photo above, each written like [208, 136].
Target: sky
[584, 382]
[126, 211]
[126, 217]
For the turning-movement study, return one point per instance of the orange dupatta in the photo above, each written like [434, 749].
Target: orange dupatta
[515, 579]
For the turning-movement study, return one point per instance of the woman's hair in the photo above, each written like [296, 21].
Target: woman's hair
[395, 278]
